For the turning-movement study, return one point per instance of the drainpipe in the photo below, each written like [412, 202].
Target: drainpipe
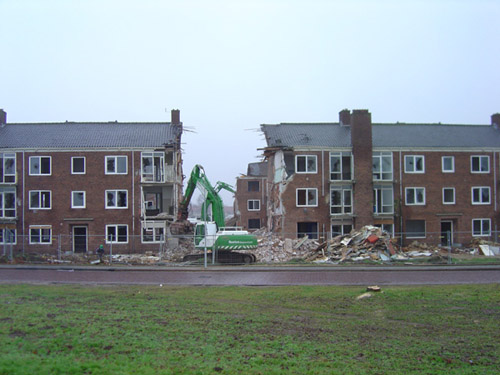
[22, 201]
[400, 199]
[133, 200]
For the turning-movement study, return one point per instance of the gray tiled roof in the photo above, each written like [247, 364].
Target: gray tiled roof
[87, 135]
[384, 135]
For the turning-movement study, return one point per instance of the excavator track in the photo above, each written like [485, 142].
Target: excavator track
[224, 257]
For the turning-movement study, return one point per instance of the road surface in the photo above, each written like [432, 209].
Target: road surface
[252, 276]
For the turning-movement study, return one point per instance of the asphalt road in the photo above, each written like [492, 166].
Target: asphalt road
[252, 276]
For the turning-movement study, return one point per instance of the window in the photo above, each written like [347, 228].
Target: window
[153, 232]
[40, 165]
[480, 164]
[481, 195]
[448, 195]
[415, 228]
[340, 166]
[7, 204]
[383, 202]
[341, 229]
[382, 166]
[253, 186]
[116, 164]
[415, 196]
[309, 229]
[116, 233]
[153, 167]
[40, 200]
[77, 199]
[414, 164]
[389, 228]
[481, 227]
[116, 199]
[7, 168]
[253, 205]
[340, 201]
[448, 164]
[7, 236]
[78, 165]
[41, 234]
[307, 197]
[253, 223]
[305, 163]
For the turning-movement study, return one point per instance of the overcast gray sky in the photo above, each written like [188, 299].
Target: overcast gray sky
[232, 65]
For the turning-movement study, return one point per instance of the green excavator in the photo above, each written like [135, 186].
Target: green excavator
[210, 232]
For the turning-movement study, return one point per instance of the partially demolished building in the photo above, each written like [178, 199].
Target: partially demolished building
[432, 182]
[75, 185]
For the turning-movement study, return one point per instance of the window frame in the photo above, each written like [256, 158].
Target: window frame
[307, 197]
[452, 170]
[343, 230]
[375, 200]
[413, 236]
[3, 235]
[380, 156]
[481, 220]
[340, 155]
[414, 157]
[115, 157]
[343, 191]
[39, 157]
[480, 157]
[253, 200]
[151, 177]
[253, 182]
[156, 237]
[480, 188]
[443, 195]
[40, 235]
[307, 171]
[73, 165]
[415, 195]
[3, 206]
[116, 207]
[40, 192]
[73, 199]
[3, 177]
[116, 226]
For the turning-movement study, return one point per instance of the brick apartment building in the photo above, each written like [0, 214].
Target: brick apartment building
[72, 186]
[431, 182]
[251, 197]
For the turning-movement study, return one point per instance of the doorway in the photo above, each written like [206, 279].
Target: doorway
[80, 239]
[446, 232]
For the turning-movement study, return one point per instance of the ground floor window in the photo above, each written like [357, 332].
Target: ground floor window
[307, 229]
[338, 229]
[481, 227]
[253, 223]
[153, 232]
[389, 228]
[41, 234]
[415, 228]
[7, 236]
[116, 233]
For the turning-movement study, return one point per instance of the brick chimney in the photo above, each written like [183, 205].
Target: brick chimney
[361, 139]
[176, 117]
[495, 120]
[3, 117]
[345, 117]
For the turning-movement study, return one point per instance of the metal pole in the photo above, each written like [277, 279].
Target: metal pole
[110, 252]
[59, 247]
[448, 241]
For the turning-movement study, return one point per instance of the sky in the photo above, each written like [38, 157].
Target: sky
[231, 65]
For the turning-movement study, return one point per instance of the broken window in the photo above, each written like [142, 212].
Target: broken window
[481, 227]
[383, 202]
[414, 164]
[40, 165]
[481, 195]
[306, 163]
[307, 197]
[253, 223]
[41, 234]
[389, 228]
[153, 232]
[340, 201]
[116, 164]
[7, 204]
[448, 164]
[7, 168]
[40, 200]
[116, 199]
[415, 228]
[448, 195]
[415, 196]
[341, 229]
[309, 229]
[153, 167]
[382, 166]
[253, 186]
[116, 233]
[340, 166]
[253, 205]
[480, 164]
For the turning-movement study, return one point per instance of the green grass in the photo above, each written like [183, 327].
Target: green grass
[67, 329]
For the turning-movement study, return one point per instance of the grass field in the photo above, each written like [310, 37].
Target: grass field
[68, 329]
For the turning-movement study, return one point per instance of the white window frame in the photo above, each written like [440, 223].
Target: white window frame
[410, 236]
[315, 157]
[115, 157]
[480, 188]
[345, 209]
[3, 207]
[342, 229]
[480, 157]
[73, 199]
[8, 156]
[40, 234]
[3, 235]
[415, 157]
[340, 172]
[156, 227]
[151, 176]
[379, 175]
[380, 210]
[115, 192]
[415, 195]
[73, 165]
[39, 158]
[253, 202]
[443, 169]
[454, 195]
[42, 194]
[482, 234]
[116, 226]
[307, 197]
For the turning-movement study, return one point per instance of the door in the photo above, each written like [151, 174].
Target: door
[80, 239]
[446, 232]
